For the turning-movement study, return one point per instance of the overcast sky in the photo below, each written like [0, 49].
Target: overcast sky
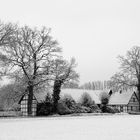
[95, 32]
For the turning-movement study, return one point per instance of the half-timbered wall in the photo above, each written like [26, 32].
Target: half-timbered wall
[121, 108]
[24, 105]
[133, 104]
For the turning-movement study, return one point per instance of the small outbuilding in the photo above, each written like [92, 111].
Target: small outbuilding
[24, 105]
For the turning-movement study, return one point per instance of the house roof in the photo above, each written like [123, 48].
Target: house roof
[75, 93]
[115, 99]
[121, 98]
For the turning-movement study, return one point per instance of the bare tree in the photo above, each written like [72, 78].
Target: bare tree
[6, 32]
[63, 73]
[28, 55]
[10, 94]
[129, 75]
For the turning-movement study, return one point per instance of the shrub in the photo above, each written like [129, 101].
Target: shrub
[112, 110]
[81, 109]
[84, 109]
[116, 110]
[68, 101]
[48, 98]
[109, 109]
[104, 98]
[62, 108]
[86, 100]
[67, 105]
[95, 109]
[45, 107]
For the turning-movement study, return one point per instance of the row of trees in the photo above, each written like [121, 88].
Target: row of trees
[30, 56]
[96, 85]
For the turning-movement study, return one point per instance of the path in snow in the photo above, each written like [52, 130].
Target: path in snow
[125, 127]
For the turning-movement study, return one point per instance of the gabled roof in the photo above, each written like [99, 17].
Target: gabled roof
[121, 98]
[22, 97]
[76, 94]
[115, 99]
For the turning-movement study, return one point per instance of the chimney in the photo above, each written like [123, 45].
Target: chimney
[110, 92]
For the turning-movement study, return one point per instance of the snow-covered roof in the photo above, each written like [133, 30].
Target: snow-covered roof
[121, 98]
[75, 93]
[115, 99]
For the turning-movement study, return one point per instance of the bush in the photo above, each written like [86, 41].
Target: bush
[45, 107]
[104, 98]
[81, 109]
[95, 109]
[62, 108]
[86, 105]
[109, 109]
[67, 105]
[48, 98]
[86, 100]
[68, 101]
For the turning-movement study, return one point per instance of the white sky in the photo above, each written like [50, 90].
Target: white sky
[95, 32]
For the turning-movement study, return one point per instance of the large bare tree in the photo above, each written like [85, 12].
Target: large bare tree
[129, 75]
[27, 55]
[64, 72]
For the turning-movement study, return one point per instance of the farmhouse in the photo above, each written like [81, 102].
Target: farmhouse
[124, 101]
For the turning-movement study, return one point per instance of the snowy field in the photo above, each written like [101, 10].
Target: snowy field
[115, 127]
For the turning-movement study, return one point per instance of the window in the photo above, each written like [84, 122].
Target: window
[134, 99]
[125, 109]
[121, 108]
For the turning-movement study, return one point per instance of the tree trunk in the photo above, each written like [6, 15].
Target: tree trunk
[56, 94]
[30, 100]
[138, 88]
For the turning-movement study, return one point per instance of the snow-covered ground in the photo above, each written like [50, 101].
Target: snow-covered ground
[115, 127]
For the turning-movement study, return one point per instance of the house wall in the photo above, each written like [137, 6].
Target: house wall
[24, 106]
[121, 108]
[133, 105]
